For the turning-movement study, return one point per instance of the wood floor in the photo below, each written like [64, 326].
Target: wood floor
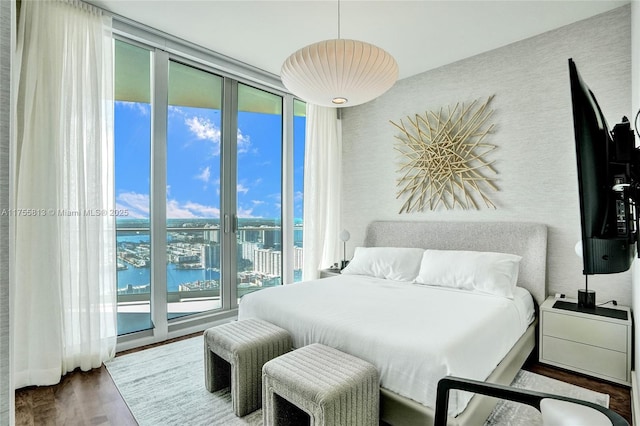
[619, 396]
[91, 398]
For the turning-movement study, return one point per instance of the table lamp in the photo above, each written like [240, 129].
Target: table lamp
[344, 236]
[586, 297]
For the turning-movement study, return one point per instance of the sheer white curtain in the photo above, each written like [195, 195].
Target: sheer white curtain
[322, 190]
[64, 288]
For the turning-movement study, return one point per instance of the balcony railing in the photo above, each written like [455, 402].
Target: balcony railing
[134, 310]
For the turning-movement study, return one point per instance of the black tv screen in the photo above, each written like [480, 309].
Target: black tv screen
[605, 161]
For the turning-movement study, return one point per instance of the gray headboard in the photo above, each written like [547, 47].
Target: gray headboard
[528, 240]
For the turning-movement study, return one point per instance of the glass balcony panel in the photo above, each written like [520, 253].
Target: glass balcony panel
[193, 270]
[134, 278]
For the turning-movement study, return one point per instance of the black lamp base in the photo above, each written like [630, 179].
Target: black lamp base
[586, 299]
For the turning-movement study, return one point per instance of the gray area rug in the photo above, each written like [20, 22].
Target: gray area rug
[164, 385]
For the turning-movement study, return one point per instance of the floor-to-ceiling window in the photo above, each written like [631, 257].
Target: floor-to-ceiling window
[199, 182]
[259, 190]
[132, 121]
[193, 190]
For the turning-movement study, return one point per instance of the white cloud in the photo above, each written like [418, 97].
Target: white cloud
[201, 210]
[136, 204]
[241, 188]
[276, 196]
[138, 207]
[203, 128]
[245, 213]
[176, 211]
[257, 202]
[204, 175]
[175, 110]
[244, 142]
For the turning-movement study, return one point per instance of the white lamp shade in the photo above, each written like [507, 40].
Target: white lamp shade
[344, 235]
[329, 71]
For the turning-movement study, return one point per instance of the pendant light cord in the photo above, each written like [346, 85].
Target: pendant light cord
[338, 19]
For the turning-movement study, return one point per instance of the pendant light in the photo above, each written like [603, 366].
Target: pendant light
[339, 72]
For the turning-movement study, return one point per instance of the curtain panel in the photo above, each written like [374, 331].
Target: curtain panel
[64, 287]
[322, 190]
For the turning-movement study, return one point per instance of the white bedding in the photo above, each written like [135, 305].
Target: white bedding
[414, 334]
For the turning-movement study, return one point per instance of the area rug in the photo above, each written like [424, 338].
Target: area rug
[164, 385]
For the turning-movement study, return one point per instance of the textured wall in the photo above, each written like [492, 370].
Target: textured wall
[635, 107]
[6, 388]
[535, 158]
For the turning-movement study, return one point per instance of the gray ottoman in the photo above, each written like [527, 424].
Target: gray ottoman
[319, 385]
[234, 354]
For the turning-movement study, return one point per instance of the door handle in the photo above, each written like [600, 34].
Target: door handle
[230, 224]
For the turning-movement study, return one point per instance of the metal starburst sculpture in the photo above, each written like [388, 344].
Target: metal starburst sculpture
[443, 158]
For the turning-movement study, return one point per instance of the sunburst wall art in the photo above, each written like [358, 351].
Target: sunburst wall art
[443, 162]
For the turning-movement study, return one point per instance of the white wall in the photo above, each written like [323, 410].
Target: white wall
[534, 132]
[635, 107]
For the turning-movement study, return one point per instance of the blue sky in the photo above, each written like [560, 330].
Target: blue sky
[193, 162]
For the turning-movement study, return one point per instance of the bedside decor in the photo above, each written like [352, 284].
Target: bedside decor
[594, 342]
[586, 297]
[443, 158]
[344, 236]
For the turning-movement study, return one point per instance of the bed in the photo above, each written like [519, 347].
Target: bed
[398, 325]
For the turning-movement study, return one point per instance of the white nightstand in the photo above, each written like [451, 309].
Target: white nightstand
[326, 273]
[596, 342]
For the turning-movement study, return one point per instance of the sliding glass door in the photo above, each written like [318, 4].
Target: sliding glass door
[193, 191]
[258, 190]
[199, 173]
[132, 121]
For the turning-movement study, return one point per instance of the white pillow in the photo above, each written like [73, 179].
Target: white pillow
[392, 263]
[486, 272]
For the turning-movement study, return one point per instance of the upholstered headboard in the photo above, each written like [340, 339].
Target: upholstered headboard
[528, 240]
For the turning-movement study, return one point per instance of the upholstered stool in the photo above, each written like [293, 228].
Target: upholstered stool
[234, 354]
[319, 386]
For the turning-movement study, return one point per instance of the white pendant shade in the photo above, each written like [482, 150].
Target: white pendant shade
[339, 73]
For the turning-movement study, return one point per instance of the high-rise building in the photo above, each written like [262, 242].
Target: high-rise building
[210, 255]
[268, 262]
[272, 239]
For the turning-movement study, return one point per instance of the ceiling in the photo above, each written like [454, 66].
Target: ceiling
[421, 35]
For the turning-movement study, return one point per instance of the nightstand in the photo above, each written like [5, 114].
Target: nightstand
[326, 273]
[596, 342]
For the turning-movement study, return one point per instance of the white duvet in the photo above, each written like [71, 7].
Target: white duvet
[414, 334]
